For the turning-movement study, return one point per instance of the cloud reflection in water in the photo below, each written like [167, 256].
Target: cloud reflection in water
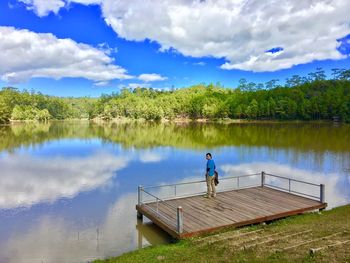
[56, 240]
[27, 180]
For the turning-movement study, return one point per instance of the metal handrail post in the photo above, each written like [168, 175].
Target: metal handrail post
[262, 178]
[139, 194]
[289, 185]
[179, 220]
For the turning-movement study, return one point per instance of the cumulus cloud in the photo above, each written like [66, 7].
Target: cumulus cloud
[151, 77]
[26, 181]
[239, 31]
[26, 54]
[44, 7]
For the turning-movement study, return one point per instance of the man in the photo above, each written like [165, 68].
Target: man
[210, 172]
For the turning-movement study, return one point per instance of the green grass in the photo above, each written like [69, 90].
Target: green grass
[225, 247]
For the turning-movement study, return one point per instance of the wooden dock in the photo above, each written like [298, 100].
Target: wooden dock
[193, 215]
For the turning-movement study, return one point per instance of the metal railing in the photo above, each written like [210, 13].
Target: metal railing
[260, 181]
[289, 189]
[157, 200]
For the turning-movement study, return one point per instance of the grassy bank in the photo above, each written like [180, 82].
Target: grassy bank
[288, 240]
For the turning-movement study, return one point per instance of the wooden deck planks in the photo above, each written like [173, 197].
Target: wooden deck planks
[271, 200]
[249, 203]
[269, 205]
[230, 208]
[208, 208]
[202, 211]
[288, 200]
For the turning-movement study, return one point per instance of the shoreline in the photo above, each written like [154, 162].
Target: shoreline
[176, 120]
[203, 120]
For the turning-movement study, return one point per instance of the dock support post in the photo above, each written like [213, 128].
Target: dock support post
[139, 215]
[262, 178]
[139, 233]
[139, 200]
[179, 220]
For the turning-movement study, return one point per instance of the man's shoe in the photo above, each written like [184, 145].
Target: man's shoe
[206, 196]
[214, 195]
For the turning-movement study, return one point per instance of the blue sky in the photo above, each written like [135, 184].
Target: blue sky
[90, 47]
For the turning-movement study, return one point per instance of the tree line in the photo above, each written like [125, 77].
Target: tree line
[30, 105]
[305, 98]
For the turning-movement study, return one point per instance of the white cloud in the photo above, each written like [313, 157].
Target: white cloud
[134, 85]
[101, 84]
[239, 31]
[26, 181]
[107, 49]
[25, 54]
[151, 77]
[86, 2]
[199, 63]
[44, 7]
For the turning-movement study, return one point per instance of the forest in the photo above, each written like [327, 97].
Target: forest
[312, 97]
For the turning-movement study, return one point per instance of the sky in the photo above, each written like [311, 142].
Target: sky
[93, 47]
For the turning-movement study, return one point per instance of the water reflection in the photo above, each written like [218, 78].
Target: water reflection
[301, 137]
[68, 189]
[58, 240]
[28, 180]
[150, 234]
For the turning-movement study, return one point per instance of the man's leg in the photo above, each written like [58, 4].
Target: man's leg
[213, 190]
[209, 185]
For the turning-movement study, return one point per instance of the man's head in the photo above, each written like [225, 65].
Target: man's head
[208, 156]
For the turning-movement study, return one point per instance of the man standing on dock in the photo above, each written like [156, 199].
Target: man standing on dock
[210, 172]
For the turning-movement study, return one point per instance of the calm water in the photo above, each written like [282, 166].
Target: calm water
[68, 190]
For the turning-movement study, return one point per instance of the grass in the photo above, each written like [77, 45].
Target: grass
[271, 243]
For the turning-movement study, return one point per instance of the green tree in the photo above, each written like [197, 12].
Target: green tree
[43, 115]
[5, 112]
[252, 109]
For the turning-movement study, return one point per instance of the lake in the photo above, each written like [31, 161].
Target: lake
[68, 189]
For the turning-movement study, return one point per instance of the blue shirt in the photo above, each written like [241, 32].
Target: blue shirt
[210, 167]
